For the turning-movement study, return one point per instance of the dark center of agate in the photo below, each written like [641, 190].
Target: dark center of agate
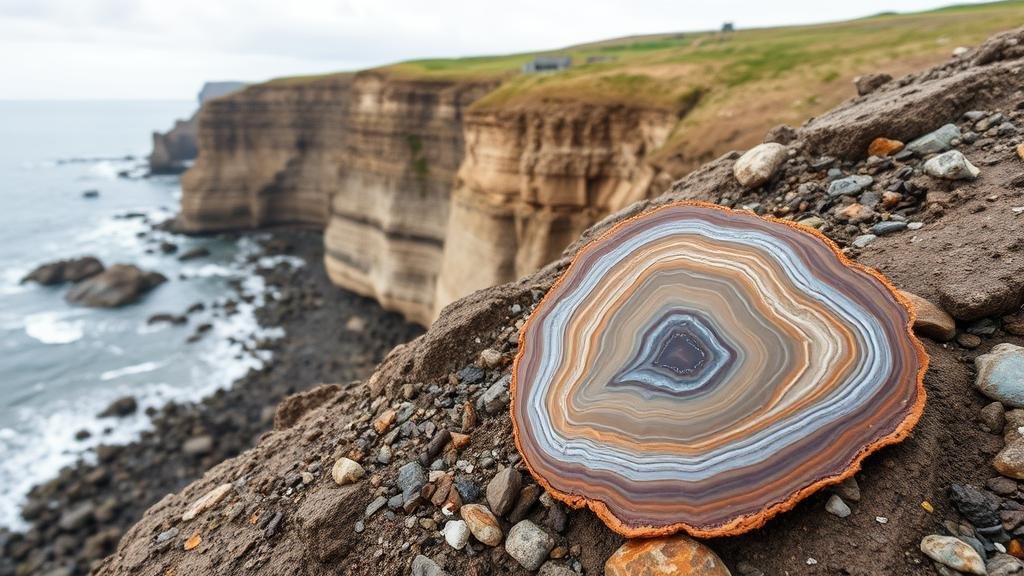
[679, 354]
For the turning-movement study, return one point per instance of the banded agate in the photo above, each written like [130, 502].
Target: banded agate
[702, 369]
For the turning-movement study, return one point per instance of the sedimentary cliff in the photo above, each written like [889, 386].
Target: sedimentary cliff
[174, 148]
[533, 178]
[268, 155]
[423, 198]
[388, 205]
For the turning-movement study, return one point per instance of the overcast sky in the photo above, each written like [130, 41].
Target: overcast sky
[166, 49]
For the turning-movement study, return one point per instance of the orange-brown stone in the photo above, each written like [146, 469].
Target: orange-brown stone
[384, 421]
[884, 147]
[931, 321]
[670, 556]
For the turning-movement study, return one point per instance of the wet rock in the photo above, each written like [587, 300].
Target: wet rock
[932, 321]
[528, 544]
[1001, 374]
[194, 253]
[952, 165]
[837, 507]
[346, 471]
[116, 286]
[456, 533]
[884, 147]
[206, 502]
[668, 556]
[72, 270]
[123, 406]
[849, 185]
[503, 489]
[482, 523]
[757, 165]
[953, 553]
[423, 566]
[938, 141]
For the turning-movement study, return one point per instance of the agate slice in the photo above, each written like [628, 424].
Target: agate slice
[702, 369]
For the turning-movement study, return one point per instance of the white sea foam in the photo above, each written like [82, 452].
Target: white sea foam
[42, 440]
[53, 328]
[129, 370]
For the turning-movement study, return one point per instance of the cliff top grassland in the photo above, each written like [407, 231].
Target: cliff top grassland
[727, 88]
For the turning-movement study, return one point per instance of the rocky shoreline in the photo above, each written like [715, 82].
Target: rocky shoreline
[331, 336]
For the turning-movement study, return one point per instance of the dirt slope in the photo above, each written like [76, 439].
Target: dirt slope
[285, 515]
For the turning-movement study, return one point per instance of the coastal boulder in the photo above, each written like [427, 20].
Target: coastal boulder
[70, 270]
[118, 285]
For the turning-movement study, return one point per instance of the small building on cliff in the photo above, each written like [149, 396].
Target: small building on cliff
[547, 64]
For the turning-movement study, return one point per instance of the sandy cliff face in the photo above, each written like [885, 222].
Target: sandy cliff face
[422, 198]
[268, 155]
[388, 211]
[533, 179]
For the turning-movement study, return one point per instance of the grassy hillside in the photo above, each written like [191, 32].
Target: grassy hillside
[746, 81]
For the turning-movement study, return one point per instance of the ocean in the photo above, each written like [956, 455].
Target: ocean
[60, 365]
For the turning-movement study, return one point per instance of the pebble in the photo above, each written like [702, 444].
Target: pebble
[883, 228]
[849, 185]
[856, 213]
[954, 553]
[384, 421]
[993, 417]
[456, 534]
[166, 535]
[346, 471]
[812, 222]
[938, 141]
[411, 477]
[551, 569]
[864, 240]
[528, 544]
[496, 396]
[931, 321]
[969, 341]
[1001, 374]
[757, 165]
[503, 489]
[423, 566]
[837, 507]
[1010, 460]
[977, 506]
[848, 489]
[884, 147]
[490, 358]
[952, 165]
[482, 524]
[207, 501]
[1002, 486]
[377, 503]
[667, 556]
[1004, 565]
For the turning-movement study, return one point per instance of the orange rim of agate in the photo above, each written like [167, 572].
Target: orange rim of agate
[748, 522]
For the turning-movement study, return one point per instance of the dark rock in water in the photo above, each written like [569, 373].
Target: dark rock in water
[197, 252]
[91, 194]
[118, 285]
[71, 270]
[82, 434]
[175, 319]
[168, 247]
[124, 406]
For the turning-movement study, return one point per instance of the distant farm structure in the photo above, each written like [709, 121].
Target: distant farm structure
[547, 64]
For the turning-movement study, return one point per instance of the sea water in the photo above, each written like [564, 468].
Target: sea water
[60, 364]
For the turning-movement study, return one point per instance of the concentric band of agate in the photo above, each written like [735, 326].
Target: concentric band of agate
[702, 369]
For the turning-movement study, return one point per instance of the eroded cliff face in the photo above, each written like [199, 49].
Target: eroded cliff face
[533, 179]
[423, 198]
[388, 209]
[268, 155]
